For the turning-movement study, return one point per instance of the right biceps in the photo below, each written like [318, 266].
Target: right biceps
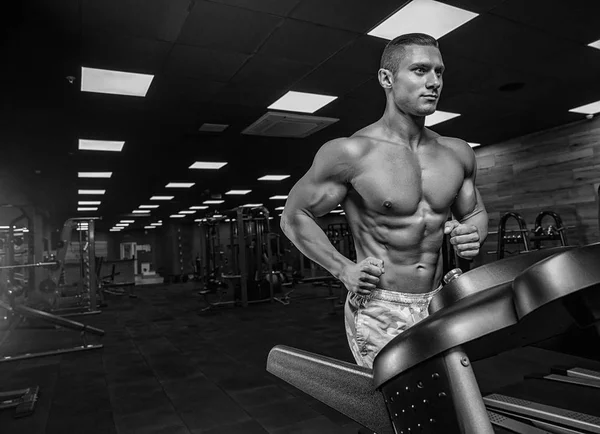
[315, 197]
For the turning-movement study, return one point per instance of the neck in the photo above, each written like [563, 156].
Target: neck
[402, 126]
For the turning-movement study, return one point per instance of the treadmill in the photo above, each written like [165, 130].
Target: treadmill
[423, 381]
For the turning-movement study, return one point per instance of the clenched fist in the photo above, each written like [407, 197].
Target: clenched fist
[362, 277]
[464, 238]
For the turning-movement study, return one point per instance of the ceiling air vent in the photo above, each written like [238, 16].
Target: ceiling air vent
[274, 124]
[212, 128]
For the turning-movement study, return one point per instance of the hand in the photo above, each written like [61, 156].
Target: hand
[464, 238]
[363, 277]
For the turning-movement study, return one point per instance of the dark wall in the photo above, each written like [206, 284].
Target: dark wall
[556, 170]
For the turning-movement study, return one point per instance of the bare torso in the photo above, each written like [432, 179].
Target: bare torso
[397, 204]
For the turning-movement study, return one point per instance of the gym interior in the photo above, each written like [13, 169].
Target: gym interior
[148, 149]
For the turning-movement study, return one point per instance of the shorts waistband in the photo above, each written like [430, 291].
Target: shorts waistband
[397, 297]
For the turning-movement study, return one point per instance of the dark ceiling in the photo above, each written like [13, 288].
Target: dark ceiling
[225, 61]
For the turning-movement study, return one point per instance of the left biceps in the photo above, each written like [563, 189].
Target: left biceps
[467, 202]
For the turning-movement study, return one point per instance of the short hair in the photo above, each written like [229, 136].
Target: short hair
[394, 50]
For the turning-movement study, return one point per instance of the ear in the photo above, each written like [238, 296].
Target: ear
[385, 78]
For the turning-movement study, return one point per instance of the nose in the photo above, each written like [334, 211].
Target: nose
[433, 81]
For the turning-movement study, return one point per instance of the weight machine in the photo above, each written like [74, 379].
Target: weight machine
[521, 236]
[64, 292]
[251, 278]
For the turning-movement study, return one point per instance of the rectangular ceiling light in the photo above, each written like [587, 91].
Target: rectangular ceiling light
[238, 192]
[177, 216]
[438, 117]
[588, 109]
[423, 16]
[149, 206]
[213, 202]
[207, 165]
[301, 102]
[115, 82]
[180, 184]
[274, 177]
[94, 174]
[187, 212]
[89, 202]
[252, 205]
[87, 208]
[474, 145]
[122, 225]
[595, 44]
[156, 224]
[91, 192]
[100, 145]
[199, 207]
[115, 230]
[140, 211]
[149, 227]
[280, 208]
[162, 197]
[217, 216]
[278, 197]
[127, 221]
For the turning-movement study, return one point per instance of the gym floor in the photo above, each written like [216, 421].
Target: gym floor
[166, 367]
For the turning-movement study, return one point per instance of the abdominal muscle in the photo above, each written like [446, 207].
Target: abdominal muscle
[409, 247]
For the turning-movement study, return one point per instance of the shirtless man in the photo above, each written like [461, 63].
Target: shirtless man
[398, 182]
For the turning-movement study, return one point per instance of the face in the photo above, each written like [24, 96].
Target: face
[417, 86]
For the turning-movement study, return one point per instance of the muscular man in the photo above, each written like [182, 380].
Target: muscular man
[398, 182]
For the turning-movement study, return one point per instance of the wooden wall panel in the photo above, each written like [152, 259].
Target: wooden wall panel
[557, 170]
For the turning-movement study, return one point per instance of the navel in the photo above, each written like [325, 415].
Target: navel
[387, 204]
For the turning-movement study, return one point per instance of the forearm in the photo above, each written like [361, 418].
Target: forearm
[479, 219]
[309, 238]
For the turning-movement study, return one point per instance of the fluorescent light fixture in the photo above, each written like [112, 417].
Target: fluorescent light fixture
[87, 208]
[252, 205]
[278, 197]
[271, 218]
[438, 117]
[274, 177]
[127, 221]
[588, 109]
[187, 212]
[177, 216]
[301, 102]
[114, 230]
[100, 145]
[207, 165]
[148, 206]
[238, 192]
[122, 225]
[89, 202]
[155, 224]
[4, 227]
[213, 202]
[423, 16]
[595, 44]
[140, 211]
[217, 216]
[91, 192]
[199, 207]
[180, 185]
[149, 227]
[114, 82]
[94, 174]
[162, 197]
[280, 208]
[227, 220]
[474, 145]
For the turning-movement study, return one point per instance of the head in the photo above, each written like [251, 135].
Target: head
[410, 72]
